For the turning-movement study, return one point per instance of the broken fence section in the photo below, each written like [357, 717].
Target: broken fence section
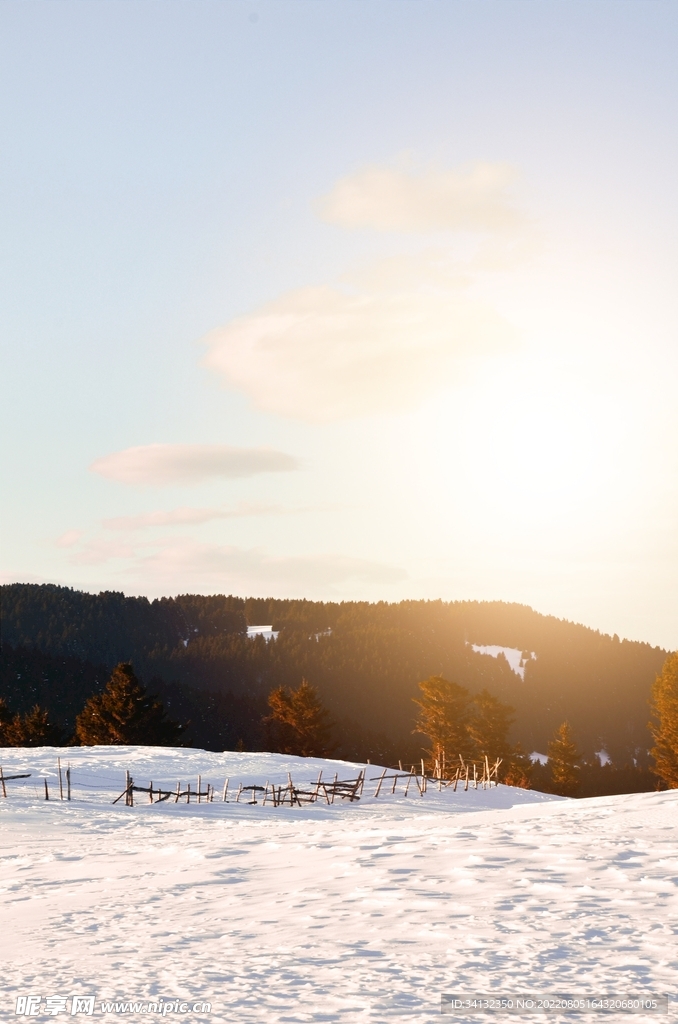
[4, 779]
[10, 778]
[466, 774]
[277, 795]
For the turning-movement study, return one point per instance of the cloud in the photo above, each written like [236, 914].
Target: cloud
[323, 353]
[387, 336]
[179, 564]
[189, 516]
[185, 564]
[161, 465]
[472, 199]
[98, 550]
[68, 539]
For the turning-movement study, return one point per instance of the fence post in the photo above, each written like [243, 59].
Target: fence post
[2, 779]
[68, 781]
[378, 789]
[199, 785]
[46, 789]
[225, 790]
[61, 783]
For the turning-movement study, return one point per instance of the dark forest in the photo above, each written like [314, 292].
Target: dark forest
[365, 660]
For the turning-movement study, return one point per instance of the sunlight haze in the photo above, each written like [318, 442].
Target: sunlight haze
[344, 301]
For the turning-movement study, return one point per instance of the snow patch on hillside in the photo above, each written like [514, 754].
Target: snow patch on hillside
[513, 655]
[267, 632]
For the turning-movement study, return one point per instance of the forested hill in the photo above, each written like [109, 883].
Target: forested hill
[365, 659]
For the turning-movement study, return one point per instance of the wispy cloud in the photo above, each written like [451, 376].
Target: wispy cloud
[474, 198]
[210, 566]
[322, 353]
[68, 539]
[161, 465]
[180, 564]
[98, 550]
[190, 516]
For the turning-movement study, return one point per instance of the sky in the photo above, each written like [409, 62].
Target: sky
[361, 299]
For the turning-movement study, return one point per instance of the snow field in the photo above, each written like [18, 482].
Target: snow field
[355, 912]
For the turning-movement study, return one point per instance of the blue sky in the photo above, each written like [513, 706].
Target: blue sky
[343, 300]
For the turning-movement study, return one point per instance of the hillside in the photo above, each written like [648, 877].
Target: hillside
[365, 659]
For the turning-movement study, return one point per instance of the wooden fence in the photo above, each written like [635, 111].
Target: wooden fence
[467, 774]
[277, 795]
[9, 778]
[4, 779]
[464, 774]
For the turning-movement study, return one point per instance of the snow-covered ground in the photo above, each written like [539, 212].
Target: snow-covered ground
[354, 912]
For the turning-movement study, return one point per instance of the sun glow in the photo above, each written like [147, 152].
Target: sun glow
[528, 454]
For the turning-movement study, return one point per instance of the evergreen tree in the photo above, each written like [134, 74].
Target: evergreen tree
[664, 727]
[298, 723]
[488, 726]
[125, 713]
[34, 729]
[564, 761]
[517, 769]
[444, 717]
[5, 724]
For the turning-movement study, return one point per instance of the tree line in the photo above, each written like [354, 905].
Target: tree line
[455, 723]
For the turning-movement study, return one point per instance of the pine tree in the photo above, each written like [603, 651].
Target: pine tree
[33, 730]
[6, 721]
[125, 713]
[664, 727]
[517, 769]
[36, 730]
[488, 726]
[298, 723]
[564, 761]
[444, 717]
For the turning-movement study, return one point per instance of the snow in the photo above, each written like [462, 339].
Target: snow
[541, 758]
[267, 632]
[513, 655]
[345, 913]
[603, 757]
